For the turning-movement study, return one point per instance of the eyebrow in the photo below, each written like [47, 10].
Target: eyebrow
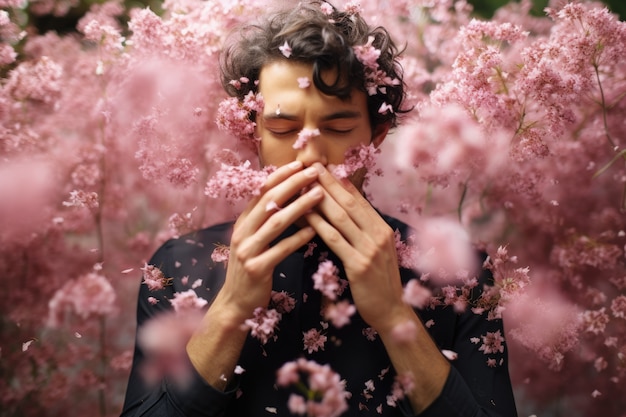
[346, 114]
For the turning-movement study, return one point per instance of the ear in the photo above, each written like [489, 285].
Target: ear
[379, 134]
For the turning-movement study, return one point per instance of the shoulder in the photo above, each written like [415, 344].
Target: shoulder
[194, 245]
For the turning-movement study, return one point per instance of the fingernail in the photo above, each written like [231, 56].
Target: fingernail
[316, 192]
[310, 172]
[320, 168]
[294, 164]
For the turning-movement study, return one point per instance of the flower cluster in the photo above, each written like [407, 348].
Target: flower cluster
[375, 78]
[323, 391]
[362, 157]
[235, 116]
[236, 183]
[263, 324]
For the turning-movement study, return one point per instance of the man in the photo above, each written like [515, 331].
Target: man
[329, 84]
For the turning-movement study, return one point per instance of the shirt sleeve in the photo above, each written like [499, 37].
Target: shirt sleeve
[456, 400]
[478, 384]
[168, 398]
[481, 391]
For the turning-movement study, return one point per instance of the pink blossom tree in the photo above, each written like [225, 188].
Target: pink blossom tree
[116, 137]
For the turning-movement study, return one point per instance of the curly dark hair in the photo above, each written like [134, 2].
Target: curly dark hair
[327, 42]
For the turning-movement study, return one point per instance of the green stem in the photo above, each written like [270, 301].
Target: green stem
[603, 105]
[620, 154]
[459, 209]
[103, 364]
[98, 217]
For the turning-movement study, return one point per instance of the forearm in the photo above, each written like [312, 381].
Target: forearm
[419, 357]
[215, 347]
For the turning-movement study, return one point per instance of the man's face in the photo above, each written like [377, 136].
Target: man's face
[290, 108]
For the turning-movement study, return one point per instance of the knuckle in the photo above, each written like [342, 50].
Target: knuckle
[351, 204]
[386, 236]
[342, 216]
[275, 222]
[362, 266]
[334, 236]
[236, 239]
[250, 267]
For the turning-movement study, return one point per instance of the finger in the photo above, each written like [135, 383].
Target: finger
[281, 174]
[277, 222]
[290, 187]
[332, 237]
[340, 219]
[348, 197]
[291, 183]
[270, 258]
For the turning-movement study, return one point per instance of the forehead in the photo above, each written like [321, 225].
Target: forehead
[280, 84]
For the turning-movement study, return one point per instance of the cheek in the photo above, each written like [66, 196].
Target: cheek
[276, 153]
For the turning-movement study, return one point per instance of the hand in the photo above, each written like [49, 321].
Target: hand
[248, 281]
[365, 243]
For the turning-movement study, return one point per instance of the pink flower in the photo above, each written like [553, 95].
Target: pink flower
[282, 302]
[404, 332]
[415, 294]
[272, 206]
[234, 116]
[90, 295]
[618, 306]
[237, 182]
[353, 7]
[600, 364]
[304, 82]
[304, 136]
[403, 384]
[406, 251]
[444, 249]
[153, 277]
[285, 49]
[369, 333]
[339, 313]
[37, 80]
[327, 9]
[326, 279]
[595, 321]
[26, 345]
[355, 159]
[220, 254]
[237, 83]
[287, 374]
[163, 340]
[313, 340]
[324, 391]
[7, 54]
[297, 404]
[80, 198]
[309, 249]
[187, 300]
[492, 343]
[385, 108]
[108, 37]
[449, 354]
[180, 224]
[263, 324]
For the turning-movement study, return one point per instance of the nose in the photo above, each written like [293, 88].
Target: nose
[313, 151]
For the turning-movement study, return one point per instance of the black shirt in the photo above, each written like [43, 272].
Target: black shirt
[472, 389]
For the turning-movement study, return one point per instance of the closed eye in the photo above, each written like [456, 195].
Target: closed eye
[282, 133]
[338, 131]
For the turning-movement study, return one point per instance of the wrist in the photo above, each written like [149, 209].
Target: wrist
[389, 323]
[214, 348]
